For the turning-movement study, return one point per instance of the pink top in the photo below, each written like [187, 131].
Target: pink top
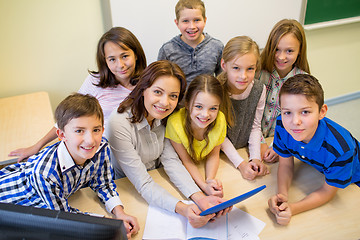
[109, 98]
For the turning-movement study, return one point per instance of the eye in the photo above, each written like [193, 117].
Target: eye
[111, 59]
[286, 113]
[185, 21]
[198, 106]
[290, 51]
[213, 108]
[174, 96]
[305, 112]
[79, 131]
[251, 68]
[236, 68]
[97, 130]
[125, 56]
[157, 92]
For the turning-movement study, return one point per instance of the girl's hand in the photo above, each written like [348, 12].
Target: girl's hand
[214, 187]
[270, 156]
[24, 153]
[210, 201]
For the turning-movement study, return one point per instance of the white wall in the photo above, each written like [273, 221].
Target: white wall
[153, 22]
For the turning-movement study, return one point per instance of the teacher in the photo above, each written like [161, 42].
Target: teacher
[136, 136]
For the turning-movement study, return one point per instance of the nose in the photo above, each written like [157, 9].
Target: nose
[89, 138]
[243, 74]
[281, 55]
[164, 100]
[296, 119]
[191, 24]
[120, 64]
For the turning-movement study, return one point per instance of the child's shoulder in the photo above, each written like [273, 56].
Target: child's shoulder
[214, 42]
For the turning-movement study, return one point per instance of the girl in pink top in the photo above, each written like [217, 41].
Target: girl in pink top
[120, 60]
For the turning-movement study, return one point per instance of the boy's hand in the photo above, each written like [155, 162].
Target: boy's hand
[214, 187]
[131, 224]
[250, 170]
[279, 206]
[270, 156]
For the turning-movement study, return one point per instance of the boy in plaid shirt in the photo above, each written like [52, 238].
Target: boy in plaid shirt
[80, 159]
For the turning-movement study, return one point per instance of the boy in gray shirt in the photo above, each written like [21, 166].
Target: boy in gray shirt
[194, 51]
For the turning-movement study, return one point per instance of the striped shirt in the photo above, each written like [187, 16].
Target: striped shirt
[333, 151]
[109, 98]
[273, 83]
[50, 177]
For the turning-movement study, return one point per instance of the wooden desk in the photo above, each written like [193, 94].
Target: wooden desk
[338, 219]
[24, 120]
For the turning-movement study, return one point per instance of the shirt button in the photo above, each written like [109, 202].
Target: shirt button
[302, 157]
[302, 147]
[64, 167]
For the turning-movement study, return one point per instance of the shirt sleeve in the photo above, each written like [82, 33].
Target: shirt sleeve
[103, 183]
[339, 173]
[176, 171]
[255, 134]
[221, 128]
[88, 87]
[161, 54]
[123, 148]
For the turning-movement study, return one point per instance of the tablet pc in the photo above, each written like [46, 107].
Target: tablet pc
[232, 201]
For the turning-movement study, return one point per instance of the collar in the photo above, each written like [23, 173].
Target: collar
[66, 162]
[144, 124]
[292, 72]
[318, 138]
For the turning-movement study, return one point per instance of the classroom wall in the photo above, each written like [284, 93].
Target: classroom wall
[49, 45]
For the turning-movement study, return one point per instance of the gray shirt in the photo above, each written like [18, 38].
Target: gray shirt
[204, 59]
[137, 148]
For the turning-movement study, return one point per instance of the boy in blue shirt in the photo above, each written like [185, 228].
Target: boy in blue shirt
[194, 51]
[79, 160]
[303, 131]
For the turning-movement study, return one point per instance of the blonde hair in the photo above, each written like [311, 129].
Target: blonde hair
[189, 4]
[209, 84]
[239, 46]
[280, 29]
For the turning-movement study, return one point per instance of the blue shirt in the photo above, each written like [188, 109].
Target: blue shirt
[203, 59]
[332, 151]
[50, 177]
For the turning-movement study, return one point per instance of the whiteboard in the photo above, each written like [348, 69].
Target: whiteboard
[152, 21]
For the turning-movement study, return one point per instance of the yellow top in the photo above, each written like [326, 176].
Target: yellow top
[175, 130]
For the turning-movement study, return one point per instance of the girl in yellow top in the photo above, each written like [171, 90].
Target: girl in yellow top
[197, 130]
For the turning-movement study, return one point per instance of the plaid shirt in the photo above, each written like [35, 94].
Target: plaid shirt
[49, 178]
[273, 83]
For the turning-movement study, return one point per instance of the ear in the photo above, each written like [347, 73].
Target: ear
[61, 134]
[205, 20]
[176, 22]
[222, 64]
[323, 111]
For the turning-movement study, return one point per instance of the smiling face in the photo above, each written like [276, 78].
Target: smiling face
[286, 54]
[191, 24]
[82, 137]
[161, 98]
[240, 72]
[301, 116]
[204, 110]
[120, 62]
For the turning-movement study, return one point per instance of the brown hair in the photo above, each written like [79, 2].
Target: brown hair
[77, 105]
[135, 100]
[304, 84]
[210, 84]
[280, 29]
[189, 4]
[126, 40]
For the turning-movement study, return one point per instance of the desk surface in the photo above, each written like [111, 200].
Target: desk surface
[338, 219]
[24, 120]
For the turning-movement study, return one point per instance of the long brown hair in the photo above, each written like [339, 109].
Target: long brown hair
[210, 84]
[280, 29]
[135, 100]
[126, 40]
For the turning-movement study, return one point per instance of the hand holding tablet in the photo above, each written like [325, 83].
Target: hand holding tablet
[232, 201]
